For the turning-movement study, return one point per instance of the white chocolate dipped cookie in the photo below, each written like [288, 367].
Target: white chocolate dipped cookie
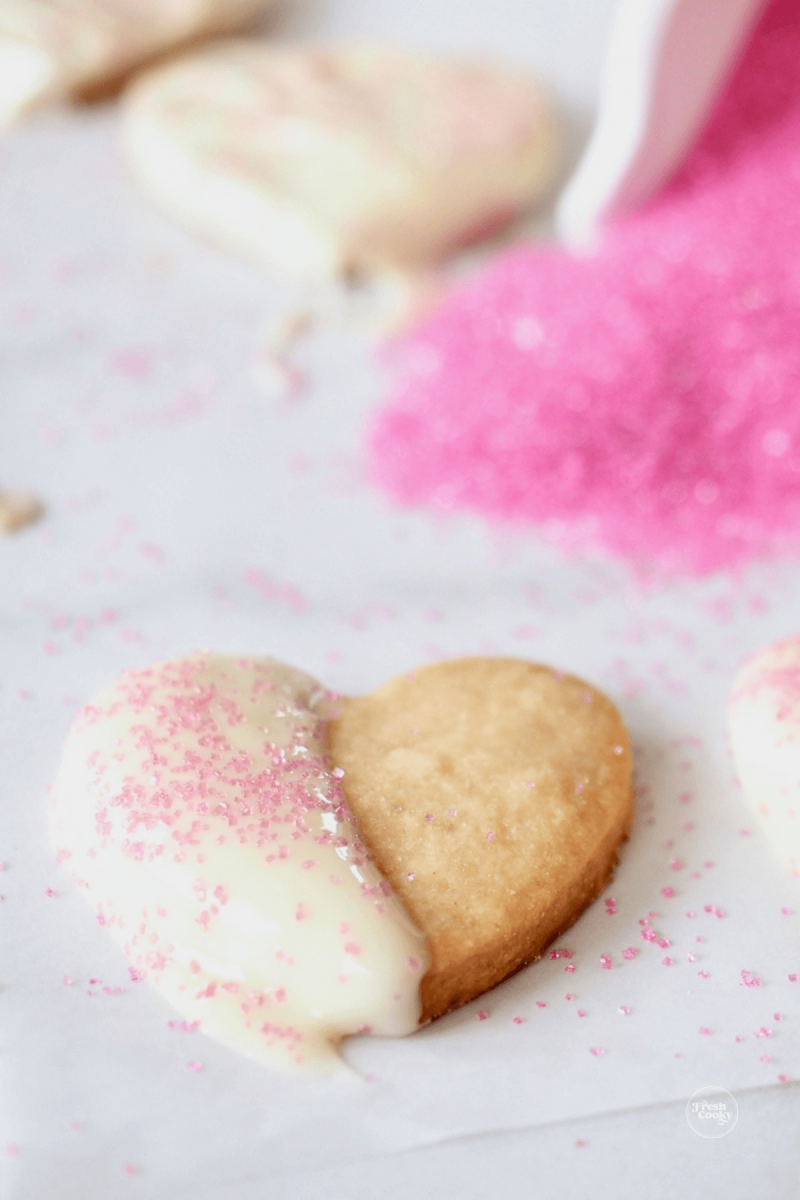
[764, 723]
[288, 867]
[61, 49]
[327, 161]
[195, 805]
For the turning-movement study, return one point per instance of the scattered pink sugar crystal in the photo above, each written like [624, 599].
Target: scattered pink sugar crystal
[606, 962]
[784, 1078]
[668, 892]
[624, 1009]
[705, 1030]
[749, 980]
[195, 1065]
[483, 1014]
[570, 968]
[793, 978]
[541, 1004]
[598, 1051]
[579, 1143]
[667, 962]
[519, 1020]
[629, 953]
[643, 399]
[560, 954]
[580, 1012]
[766, 1058]
[715, 912]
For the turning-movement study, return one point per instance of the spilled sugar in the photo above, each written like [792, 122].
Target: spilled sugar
[646, 401]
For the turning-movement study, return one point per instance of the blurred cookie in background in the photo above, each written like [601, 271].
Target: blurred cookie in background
[341, 160]
[54, 50]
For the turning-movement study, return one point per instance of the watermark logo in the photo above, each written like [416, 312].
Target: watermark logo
[712, 1112]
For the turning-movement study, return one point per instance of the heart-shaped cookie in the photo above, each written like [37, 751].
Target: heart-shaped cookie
[288, 867]
[764, 722]
[331, 160]
[493, 795]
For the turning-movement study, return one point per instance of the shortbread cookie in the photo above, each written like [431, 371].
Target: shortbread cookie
[333, 160]
[493, 794]
[57, 49]
[208, 807]
[764, 721]
[195, 805]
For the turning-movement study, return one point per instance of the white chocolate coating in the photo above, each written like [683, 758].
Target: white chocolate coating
[764, 721]
[195, 804]
[50, 49]
[321, 161]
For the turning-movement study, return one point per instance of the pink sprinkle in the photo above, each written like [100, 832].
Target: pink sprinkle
[67, 981]
[667, 962]
[301, 913]
[750, 980]
[429, 817]
[580, 1012]
[130, 1170]
[746, 832]
[519, 1020]
[77, 1125]
[598, 1051]
[606, 962]
[560, 954]
[664, 943]
[784, 1078]
[739, 1037]
[411, 876]
[49, 892]
[793, 978]
[490, 837]
[482, 1014]
[763, 1032]
[691, 958]
[648, 935]
[611, 906]
[708, 865]
[195, 1065]
[12, 1149]
[703, 974]
[787, 912]
[624, 1009]
[698, 469]
[691, 915]
[777, 1016]
[135, 974]
[675, 864]
[629, 953]
[669, 892]
[541, 1004]
[570, 968]
[705, 1030]
[570, 996]
[717, 912]
[766, 1058]
[579, 1144]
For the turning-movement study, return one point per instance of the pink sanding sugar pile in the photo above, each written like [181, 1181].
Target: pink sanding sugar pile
[645, 401]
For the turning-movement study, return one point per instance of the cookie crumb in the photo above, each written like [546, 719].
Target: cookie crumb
[18, 509]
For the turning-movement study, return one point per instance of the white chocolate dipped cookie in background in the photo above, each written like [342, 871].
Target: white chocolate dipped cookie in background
[63, 49]
[288, 867]
[328, 161]
[764, 723]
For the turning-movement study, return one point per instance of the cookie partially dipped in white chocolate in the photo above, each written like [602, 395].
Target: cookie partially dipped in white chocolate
[330, 160]
[764, 723]
[289, 867]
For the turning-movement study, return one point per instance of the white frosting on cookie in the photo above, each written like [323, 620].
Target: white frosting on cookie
[197, 807]
[764, 717]
[324, 160]
[57, 48]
